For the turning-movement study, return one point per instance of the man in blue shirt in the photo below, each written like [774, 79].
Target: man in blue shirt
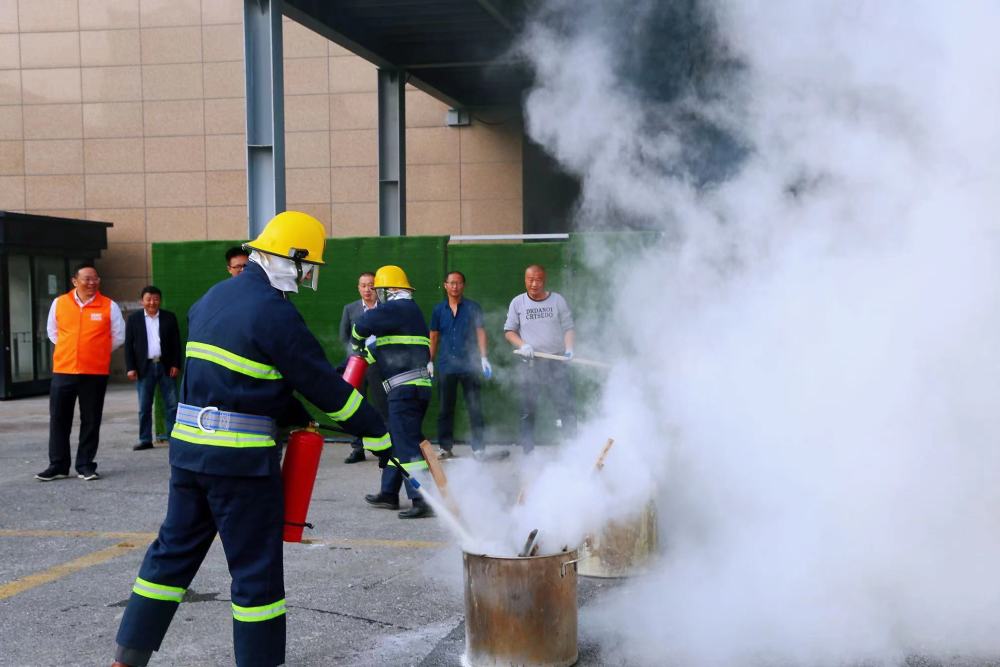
[457, 332]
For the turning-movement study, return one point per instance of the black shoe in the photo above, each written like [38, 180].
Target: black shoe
[50, 474]
[445, 454]
[418, 510]
[141, 446]
[89, 476]
[382, 500]
[356, 456]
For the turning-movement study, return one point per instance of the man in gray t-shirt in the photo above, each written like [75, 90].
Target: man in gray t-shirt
[541, 321]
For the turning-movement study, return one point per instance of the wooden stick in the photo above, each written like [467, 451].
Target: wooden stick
[437, 472]
[575, 360]
[604, 453]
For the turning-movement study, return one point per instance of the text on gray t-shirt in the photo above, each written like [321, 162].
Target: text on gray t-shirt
[540, 324]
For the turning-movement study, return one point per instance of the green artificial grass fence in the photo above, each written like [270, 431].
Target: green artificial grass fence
[494, 275]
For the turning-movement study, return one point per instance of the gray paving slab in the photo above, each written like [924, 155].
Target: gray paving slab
[351, 601]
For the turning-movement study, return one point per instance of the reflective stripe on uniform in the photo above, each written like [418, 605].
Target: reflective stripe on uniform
[412, 465]
[350, 407]
[377, 444]
[220, 438]
[263, 613]
[419, 382]
[354, 333]
[148, 589]
[402, 340]
[233, 362]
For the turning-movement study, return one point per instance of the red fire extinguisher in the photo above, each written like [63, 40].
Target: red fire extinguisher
[298, 472]
[354, 374]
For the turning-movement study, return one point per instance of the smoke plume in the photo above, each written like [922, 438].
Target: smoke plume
[811, 364]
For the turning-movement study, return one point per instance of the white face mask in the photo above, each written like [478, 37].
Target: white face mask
[281, 272]
[386, 294]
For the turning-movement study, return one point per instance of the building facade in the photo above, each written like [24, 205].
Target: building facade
[133, 112]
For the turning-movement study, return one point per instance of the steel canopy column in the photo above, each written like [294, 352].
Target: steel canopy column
[265, 112]
[391, 153]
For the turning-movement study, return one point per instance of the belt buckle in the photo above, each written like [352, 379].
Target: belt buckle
[201, 413]
[386, 386]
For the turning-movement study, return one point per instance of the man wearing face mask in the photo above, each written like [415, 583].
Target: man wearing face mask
[402, 352]
[248, 349]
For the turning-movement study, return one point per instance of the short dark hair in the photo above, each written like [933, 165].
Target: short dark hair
[235, 251]
[84, 265]
[150, 289]
[366, 273]
[454, 273]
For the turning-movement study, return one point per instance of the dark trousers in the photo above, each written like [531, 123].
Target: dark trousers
[157, 375]
[64, 391]
[372, 389]
[543, 377]
[448, 393]
[248, 514]
[407, 407]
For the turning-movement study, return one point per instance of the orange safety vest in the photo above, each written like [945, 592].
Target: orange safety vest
[83, 343]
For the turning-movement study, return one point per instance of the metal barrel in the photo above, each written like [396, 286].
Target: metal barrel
[623, 548]
[520, 612]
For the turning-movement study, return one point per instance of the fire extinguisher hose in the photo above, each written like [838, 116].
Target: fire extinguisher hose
[413, 480]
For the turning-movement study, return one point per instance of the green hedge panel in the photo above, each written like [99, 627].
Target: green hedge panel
[586, 270]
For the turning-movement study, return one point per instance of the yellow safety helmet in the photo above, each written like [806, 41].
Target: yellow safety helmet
[391, 276]
[294, 235]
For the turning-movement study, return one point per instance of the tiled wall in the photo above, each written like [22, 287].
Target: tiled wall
[132, 111]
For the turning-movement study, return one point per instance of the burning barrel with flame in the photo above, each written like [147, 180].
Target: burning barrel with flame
[520, 611]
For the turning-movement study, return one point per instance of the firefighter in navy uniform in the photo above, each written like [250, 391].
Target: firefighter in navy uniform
[248, 348]
[402, 350]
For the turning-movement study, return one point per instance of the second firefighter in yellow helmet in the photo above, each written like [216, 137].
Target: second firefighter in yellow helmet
[402, 350]
[390, 278]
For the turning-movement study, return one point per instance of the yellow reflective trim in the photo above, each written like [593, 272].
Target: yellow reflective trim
[220, 438]
[369, 357]
[402, 340]
[419, 382]
[350, 407]
[354, 333]
[377, 444]
[256, 614]
[412, 465]
[148, 589]
[233, 362]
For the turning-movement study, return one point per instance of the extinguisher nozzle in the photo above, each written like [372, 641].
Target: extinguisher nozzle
[300, 525]
[410, 478]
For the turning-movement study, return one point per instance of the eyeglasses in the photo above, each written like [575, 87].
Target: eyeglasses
[237, 267]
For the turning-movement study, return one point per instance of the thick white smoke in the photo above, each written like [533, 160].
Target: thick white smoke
[815, 361]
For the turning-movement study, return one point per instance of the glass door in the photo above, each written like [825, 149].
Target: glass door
[50, 281]
[22, 353]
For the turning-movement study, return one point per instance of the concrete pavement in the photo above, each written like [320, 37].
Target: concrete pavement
[370, 590]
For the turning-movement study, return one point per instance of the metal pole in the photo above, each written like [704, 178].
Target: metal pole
[265, 112]
[391, 153]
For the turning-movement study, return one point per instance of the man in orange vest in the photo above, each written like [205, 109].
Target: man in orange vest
[85, 327]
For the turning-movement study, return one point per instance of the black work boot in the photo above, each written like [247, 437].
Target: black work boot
[356, 456]
[382, 500]
[418, 510]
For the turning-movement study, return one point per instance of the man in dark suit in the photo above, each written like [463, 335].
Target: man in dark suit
[153, 357]
[373, 380]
